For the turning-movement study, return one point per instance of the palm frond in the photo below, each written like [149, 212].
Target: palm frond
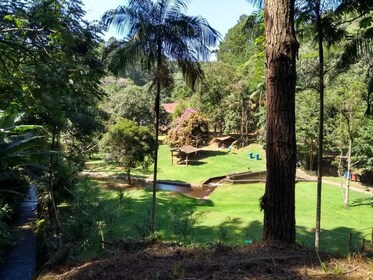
[159, 30]
[192, 72]
[256, 3]
[7, 120]
[12, 149]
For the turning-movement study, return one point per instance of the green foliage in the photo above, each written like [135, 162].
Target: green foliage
[226, 93]
[144, 226]
[6, 237]
[237, 47]
[344, 95]
[183, 223]
[181, 92]
[20, 148]
[191, 128]
[153, 32]
[363, 145]
[218, 85]
[60, 52]
[160, 33]
[128, 101]
[307, 128]
[92, 218]
[65, 176]
[128, 144]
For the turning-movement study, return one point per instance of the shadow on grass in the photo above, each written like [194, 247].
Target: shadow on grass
[191, 162]
[202, 154]
[134, 214]
[339, 241]
[123, 176]
[362, 202]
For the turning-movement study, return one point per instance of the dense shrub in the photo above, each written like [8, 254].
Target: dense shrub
[191, 128]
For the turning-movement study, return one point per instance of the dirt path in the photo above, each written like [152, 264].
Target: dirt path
[358, 187]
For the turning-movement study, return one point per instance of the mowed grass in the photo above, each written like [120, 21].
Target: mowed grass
[232, 213]
[207, 164]
[210, 163]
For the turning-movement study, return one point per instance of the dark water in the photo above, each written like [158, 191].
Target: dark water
[20, 263]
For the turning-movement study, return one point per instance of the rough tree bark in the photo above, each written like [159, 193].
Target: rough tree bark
[278, 201]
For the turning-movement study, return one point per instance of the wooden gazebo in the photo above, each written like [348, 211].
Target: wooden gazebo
[183, 151]
[225, 141]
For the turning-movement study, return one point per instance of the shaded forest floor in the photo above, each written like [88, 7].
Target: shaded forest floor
[165, 260]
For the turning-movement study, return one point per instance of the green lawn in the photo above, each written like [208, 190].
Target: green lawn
[232, 212]
[210, 164]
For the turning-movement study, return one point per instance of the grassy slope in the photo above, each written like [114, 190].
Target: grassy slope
[233, 210]
[211, 163]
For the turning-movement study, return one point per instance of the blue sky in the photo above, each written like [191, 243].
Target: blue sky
[221, 14]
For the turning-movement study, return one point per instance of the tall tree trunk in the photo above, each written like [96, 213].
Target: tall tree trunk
[349, 165]
[242, 118]
[278, 201]
[321, 124]
[157, 109]
[53, 212]
[129, 176]
[340, 174]
[157, 114]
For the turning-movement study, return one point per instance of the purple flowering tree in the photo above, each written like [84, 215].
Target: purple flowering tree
[191, 128]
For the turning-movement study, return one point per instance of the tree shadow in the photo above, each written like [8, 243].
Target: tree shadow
[135, 216]
[339, 241]
[202, 154]
[191, 162]
[366, 201]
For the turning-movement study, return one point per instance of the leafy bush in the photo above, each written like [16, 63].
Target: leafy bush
[6, 237]
[144, 224]
[191, 128]
[92, 219]
[129, 144]
[183, 222]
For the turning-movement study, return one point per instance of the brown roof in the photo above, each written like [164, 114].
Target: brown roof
[169, 107]
[186, 149]
[224, 138]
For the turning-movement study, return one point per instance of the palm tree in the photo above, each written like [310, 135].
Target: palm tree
[158, 32]
[322, 17]
[318, 15]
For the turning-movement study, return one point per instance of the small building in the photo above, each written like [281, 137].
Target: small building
[225, 141]
[184, 153]
[170, 107]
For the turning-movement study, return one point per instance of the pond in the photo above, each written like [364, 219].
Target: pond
[196, 192]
